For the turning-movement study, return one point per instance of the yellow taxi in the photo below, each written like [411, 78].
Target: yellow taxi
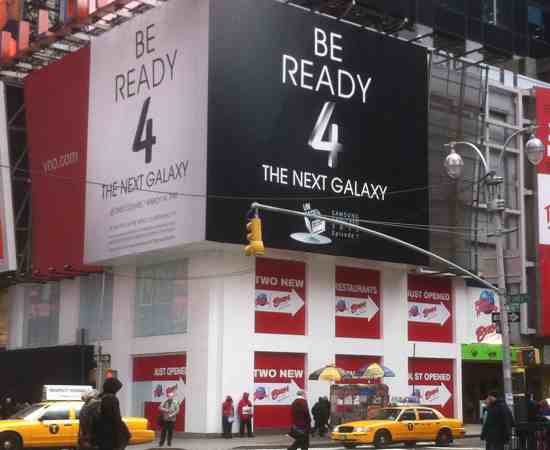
[55, 424]
[407, 424]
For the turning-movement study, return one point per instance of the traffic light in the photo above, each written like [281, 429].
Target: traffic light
[254, 236]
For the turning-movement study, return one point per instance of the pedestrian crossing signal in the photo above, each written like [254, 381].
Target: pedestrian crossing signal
[254, 236]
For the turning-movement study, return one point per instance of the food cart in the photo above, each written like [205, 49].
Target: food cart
[349, 402]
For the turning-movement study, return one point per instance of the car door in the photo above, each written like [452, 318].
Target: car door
[428, 424]
[406, 426]
[56, 427]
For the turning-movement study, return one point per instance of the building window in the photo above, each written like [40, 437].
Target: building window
[96, 306]
[41, 327]
[161, 299]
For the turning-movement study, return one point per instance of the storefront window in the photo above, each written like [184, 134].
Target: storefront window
[96, 306]
[161, 299]
[41, 327]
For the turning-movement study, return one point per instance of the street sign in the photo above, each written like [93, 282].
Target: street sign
[514, 307]
[518, 298]
[513, 317]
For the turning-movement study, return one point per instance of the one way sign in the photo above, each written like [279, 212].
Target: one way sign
[513, 317]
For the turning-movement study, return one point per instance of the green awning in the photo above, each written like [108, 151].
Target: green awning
[484, 353]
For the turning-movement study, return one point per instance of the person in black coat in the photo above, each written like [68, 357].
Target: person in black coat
[111, 432]
[497, 427]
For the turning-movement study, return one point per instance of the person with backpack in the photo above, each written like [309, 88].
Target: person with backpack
[168, 410]
[110, 432]
[88, 414]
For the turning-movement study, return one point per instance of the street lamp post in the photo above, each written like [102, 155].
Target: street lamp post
[534, 148]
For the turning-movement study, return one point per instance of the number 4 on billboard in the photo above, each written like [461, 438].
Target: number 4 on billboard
[316, 139]
[149, 140]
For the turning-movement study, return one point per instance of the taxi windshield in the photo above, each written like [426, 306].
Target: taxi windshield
[386, 414]
[26, 411]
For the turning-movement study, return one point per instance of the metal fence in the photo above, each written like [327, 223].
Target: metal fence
[531, 436]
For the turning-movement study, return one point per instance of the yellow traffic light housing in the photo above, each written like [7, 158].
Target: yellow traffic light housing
[254, 236]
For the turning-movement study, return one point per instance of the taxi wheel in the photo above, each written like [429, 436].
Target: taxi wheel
[10, 441]
[382, 439]
[444, 438]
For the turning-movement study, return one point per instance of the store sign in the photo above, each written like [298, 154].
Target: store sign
[277, 379]
[280, 296]
[432, 382]
[430, 304]
[57, 156]
[8, 258]
[52, 392]
[543, 169]
[357, 303]
[484, 303]
[149, 165]
[353, 363]
[306, 115]
[160, 376]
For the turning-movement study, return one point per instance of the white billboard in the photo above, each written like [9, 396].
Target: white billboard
[146, 167]
[8, 257]
[544, 209]
[484, 303]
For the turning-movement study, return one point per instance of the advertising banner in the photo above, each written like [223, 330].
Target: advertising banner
[484, 303]
[56, 101]
[280, 296]
[147, 133]
[430, 304]
[277, 379]
[154, 378]
[543, 179]
[319, 119]
[352, 363]
[8, 258]
[432, 381]
[357, 303]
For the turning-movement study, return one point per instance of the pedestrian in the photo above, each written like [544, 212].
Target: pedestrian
[88, 414]
[301, 422]
[497, 427]
[316, 413]
[228, 417]
[8, 407]
[244, 410]
[168, 410]
[325, 415]
[110, 432]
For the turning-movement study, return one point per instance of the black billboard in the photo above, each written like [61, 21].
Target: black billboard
[309, 113]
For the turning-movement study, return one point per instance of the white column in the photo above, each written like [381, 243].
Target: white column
[396, 348]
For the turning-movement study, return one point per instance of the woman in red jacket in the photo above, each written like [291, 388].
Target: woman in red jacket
[228, 416]
[244, 409]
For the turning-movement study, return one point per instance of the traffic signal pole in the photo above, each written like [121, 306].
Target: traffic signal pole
[378, 234]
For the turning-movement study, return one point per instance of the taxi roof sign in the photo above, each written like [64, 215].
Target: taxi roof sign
[58, 392]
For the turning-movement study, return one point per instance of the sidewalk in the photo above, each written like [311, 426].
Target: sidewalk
[257, 442]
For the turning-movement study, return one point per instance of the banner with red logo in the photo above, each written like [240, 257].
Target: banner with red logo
[430, 306]
[432, 382]
[56, 100]
[277, 379]
[357, 303]
[484, 304]
[353, 363]
[157, 376]
[280, 296]
[543, 133]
